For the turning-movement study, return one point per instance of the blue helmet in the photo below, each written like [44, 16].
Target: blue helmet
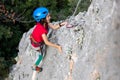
[40, 13]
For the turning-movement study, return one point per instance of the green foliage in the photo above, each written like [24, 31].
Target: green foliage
[11, 32]
[5, 32]
[84, 5]
[4, 66]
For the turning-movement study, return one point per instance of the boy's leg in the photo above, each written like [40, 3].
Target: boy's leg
[38, 60]
[38, 63]
[34, 75]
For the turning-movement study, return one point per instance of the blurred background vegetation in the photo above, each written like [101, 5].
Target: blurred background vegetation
[16, 18]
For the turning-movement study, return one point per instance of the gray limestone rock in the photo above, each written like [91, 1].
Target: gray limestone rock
[91, 48]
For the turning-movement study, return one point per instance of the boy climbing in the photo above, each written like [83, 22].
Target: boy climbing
[39, 35]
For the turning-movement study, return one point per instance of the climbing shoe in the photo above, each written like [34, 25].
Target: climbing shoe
[36, 68]
[39, 69]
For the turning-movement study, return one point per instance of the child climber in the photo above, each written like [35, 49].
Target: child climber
[39, 35]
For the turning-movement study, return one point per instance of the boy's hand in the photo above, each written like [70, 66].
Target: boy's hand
[60, 49]
[63, 23]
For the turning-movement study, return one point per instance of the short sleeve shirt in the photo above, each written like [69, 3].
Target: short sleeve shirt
[38, 31]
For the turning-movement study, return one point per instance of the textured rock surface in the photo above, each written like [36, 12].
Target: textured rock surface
[93, 44]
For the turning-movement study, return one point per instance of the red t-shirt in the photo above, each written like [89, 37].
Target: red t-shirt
[38, 31]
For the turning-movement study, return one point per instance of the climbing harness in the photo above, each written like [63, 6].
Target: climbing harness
[35, 43]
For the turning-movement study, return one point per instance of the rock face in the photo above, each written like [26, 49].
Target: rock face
[91, 48]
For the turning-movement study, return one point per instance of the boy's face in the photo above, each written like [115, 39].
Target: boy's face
[48, 17]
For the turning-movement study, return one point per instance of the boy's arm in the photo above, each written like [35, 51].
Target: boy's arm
[56, 26]
[45, 39]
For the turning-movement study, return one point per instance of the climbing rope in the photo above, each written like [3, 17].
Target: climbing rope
[76, 8]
